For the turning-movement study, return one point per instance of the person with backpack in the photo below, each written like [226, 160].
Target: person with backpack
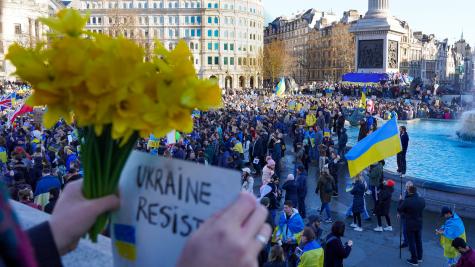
[325, 188]
[334, 249]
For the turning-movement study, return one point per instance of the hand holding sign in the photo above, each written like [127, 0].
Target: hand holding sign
[229, 238]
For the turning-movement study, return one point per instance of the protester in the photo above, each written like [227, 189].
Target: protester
[247, 181]
[276, 257]
[314, 222]
[311, 252]
[301, 190]
[452, 228]
[325, 188]
[375, 180]
[467, 258]
[335, 250]
[290, 226]
[358, 206]
[401, 156]
[383, 205]
[412, 208]
[291, 190]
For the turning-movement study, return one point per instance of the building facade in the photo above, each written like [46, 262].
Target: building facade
[224, 36]
[294, 32]
[19, 24]
[332, 50]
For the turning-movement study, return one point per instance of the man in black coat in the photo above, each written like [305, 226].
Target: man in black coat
[301, 190]
[412, 209]
[401, 156]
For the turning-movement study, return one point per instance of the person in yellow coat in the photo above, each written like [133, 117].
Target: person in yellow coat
[310, 250]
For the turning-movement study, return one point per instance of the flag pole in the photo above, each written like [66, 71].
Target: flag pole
[400, 221]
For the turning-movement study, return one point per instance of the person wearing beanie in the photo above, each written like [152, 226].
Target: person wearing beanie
[383, 205]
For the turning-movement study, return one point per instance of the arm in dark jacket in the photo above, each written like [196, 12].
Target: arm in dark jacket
[342, 251]
[41, 239]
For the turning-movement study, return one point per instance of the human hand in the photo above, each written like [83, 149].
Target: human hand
[350, 243]
[73, 215]
[233, 232]
[439, 231]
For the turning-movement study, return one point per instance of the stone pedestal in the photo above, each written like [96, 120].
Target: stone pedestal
[378, 36]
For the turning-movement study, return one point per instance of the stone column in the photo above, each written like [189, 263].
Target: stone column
[378, 9]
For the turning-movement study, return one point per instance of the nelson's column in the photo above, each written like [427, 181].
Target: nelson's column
[378, 36]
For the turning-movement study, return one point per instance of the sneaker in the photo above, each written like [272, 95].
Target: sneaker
[389, 228]
[378, 229]
[335, 195]
[411, 262]
[420, 261]
[329, 220]
[404, 245]
[358, 229]
[354, 225]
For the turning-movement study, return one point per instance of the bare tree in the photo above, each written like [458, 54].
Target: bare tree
[275, 60]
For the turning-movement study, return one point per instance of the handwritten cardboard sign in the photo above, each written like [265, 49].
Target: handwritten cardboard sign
[163, 201]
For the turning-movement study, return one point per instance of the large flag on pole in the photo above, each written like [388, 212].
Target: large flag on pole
[377, 146]
[280, 89]
[18, 112]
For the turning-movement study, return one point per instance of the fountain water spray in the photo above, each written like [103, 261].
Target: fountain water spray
[467, 130]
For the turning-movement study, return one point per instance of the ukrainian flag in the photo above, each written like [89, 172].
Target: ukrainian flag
[379, 145]
[125, 241]
[363, 98]
[280, 89]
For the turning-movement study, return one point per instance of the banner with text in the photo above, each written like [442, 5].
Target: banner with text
[163, 201]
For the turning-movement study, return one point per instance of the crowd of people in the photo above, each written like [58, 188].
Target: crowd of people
[251, 134]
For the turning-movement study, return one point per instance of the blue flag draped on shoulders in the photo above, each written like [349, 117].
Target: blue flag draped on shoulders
[452, 228]
[280, 89]
[377, 146]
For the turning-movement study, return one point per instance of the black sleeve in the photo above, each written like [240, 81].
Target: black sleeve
[42, 241]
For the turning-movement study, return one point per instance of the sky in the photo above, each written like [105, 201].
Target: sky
[445, 19]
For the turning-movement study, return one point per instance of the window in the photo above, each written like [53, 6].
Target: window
[198, 33]
[155, 5]
[198, 19]
[216, 60]
[17, 28]
[225, 61]
[216, 46]
[187, 33]
[210, 33]
[170, 5]
[162, 20]
[231, 47]
[239, 61]
[210, 20]
[210, 60]
[192, 32]
[210, 46]
[170, 33]
[216, 5]
[231, 61]
[193, 20]
[209, 5]
[216, 20]
[225, 47]
[216, 33]
[140, 5]
[170, 20]
[187, 19]
[196, 61]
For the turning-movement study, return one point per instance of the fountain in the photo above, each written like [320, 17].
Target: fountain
[467, 130]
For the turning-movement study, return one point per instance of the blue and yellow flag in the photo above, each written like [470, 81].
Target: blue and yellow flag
[125, 241]
[363, 98]
[280, 89]
[377, 146]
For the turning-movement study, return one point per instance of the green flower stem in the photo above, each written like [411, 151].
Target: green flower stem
[103, 160]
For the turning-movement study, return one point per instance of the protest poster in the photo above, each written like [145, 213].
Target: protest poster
[163, 201]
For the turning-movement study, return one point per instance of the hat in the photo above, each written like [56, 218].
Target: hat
[247, 170]
[314, 218]
[444, 211]
[390, 183]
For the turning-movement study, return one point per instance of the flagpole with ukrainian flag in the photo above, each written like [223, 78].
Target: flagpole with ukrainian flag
[381, 144]
[363, 98]
[280, 89]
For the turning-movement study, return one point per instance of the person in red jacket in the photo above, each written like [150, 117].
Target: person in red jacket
[467, 258]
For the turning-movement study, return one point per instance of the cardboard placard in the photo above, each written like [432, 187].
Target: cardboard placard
[163, 201]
